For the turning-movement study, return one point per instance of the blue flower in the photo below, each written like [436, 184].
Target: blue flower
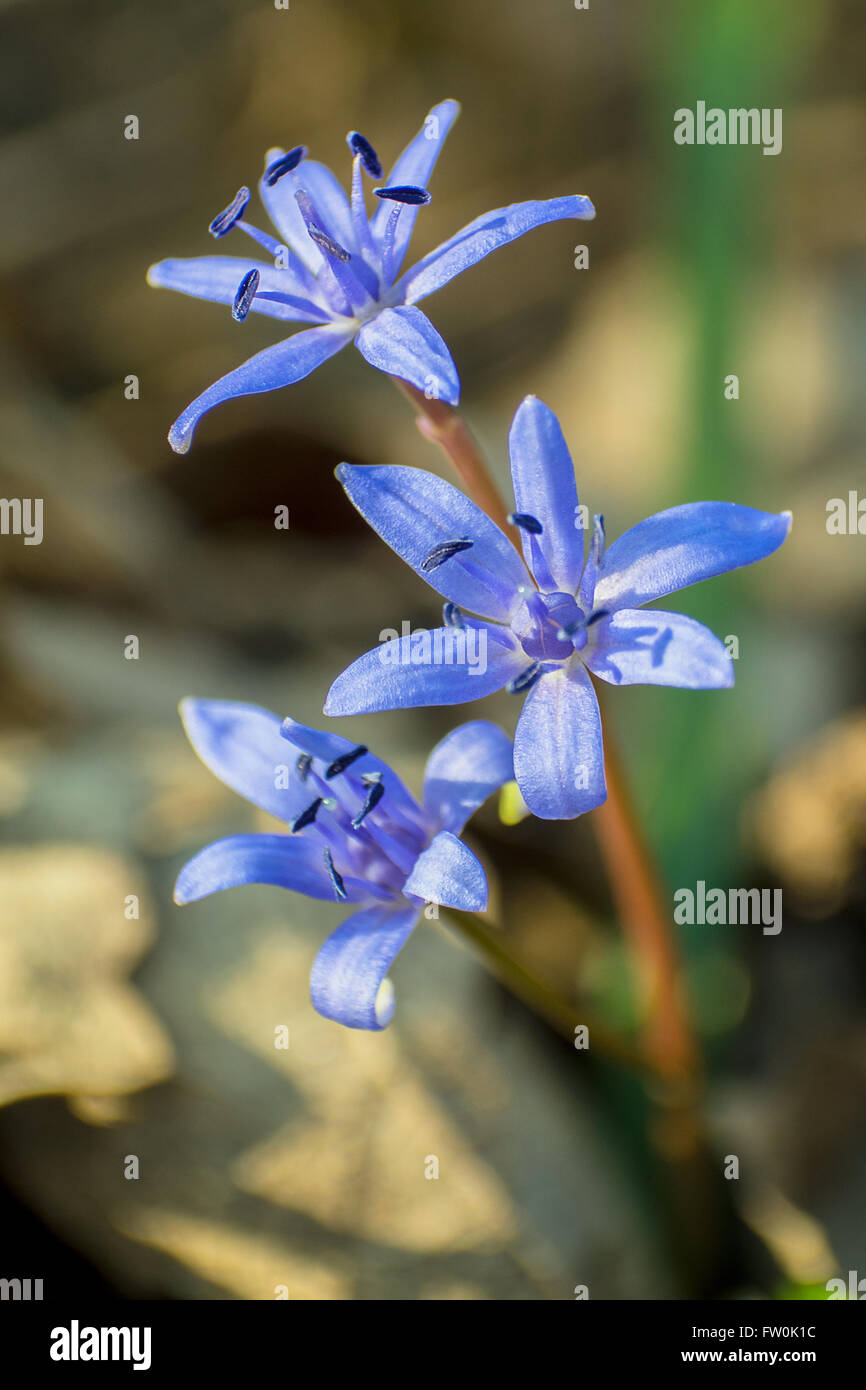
[545, 627]
[357, 836]
[339, 269]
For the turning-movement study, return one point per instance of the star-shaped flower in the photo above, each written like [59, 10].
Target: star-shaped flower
[544, 628]
[357, 836]
[337, 268]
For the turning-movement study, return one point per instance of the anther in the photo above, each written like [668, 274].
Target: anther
[327, 243]
[304, 763]
[284, 165]
[246, 294]
[336, 879]
[345, 760]
[596, 617]
[440, 553]
[526, 522]
[372, 799]
[525, 680]
[306, 817]
[405, 193]
[225, 220]
[452, 616]
[369, 158]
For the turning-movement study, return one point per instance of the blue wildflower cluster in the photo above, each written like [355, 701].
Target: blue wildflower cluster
[566, 609]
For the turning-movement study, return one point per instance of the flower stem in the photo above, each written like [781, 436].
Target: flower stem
[441, 424]
[668, 1046]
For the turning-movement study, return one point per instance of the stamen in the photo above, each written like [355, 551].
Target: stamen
[440, 553]
[568, 630]
[597, 616]
[405, 193]
[306, 817]
[372, 799]
[284, 165]
[225, 220]
[336, 879]
[345, 760]
[246, 294]
[452, 616]
[526, 522]
[525, 680]
[358, 144]
[304, 763]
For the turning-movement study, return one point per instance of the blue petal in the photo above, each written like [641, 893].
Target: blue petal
[558, 754]
[276, 366]
[544, 486]
[475, 241]
[414, 166]
[295, 862]
[388, 678]
[404, 343]
[468, 765]
[637, 646]
[680, 546]
[448, 873]
[330, 200]
[325, 747]
[242, 745]
[349, 971]
[414, 511]
[218, 277]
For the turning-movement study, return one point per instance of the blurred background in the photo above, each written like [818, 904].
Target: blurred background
[151, 1035]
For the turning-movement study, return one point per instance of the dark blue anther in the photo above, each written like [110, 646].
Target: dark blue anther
[526, 522]
[596, 617]
[345, 760]
[525, 680]
[452, 617]
[306, 817]
[228, 217]
[304, 763]
[327, 244]
[245, 295]
[358, 144]
[336, 879]
[284, 165]
[440, 553]
[372, 799]
[405, 193]
[568, 630]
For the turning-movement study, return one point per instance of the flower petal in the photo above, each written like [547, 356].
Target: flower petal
[644, 646]
[475, 241]
[330, 200]
[242, 745]
[218, 277]
[404, 343]
[558, 754]
[414, 511]
[466, 767]
[405, 672]
[544, 486]
[287, 861]
[325, 747]
[683, 545]
[276, 366]
[448, 873]
[414, 167]
[349, 971]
